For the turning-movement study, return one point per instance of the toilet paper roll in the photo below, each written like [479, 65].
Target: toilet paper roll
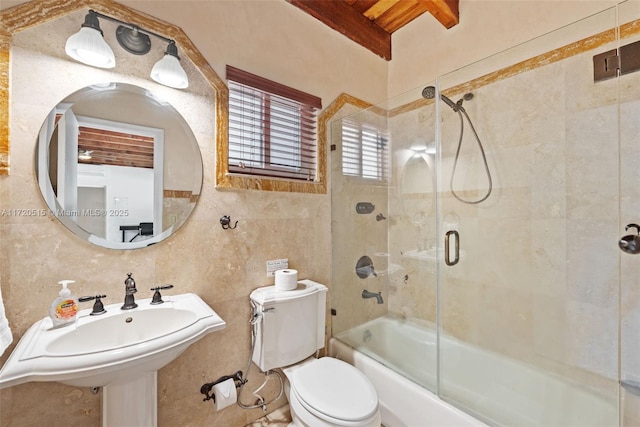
[286, 280]
[381, 261]
[225, 393]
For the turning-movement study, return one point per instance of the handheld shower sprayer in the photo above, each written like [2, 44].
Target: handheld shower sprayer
[429, 92]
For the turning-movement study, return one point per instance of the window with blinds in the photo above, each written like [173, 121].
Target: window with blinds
[272, 128]
[363, 150]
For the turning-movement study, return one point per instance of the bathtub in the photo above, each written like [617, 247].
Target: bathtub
[399, 357]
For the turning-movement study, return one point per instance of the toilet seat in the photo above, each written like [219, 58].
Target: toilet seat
[335, 391]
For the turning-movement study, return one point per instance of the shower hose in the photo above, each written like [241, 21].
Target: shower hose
[461, 111]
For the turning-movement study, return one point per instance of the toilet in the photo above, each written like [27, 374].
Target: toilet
[325, 392]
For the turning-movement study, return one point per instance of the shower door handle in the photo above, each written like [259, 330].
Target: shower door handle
[447, 241]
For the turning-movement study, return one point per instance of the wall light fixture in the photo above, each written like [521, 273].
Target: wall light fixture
[89, 47]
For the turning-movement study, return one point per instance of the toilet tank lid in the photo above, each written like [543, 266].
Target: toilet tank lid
[269, 294]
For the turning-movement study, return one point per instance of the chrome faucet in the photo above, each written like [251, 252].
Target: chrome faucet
[377, 296]
[129, 290]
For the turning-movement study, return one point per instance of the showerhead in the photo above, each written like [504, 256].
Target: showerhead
[429, 92]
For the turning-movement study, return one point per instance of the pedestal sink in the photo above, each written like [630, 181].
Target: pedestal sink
[120, 350]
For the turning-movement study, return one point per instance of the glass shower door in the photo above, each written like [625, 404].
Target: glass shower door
[529, 313]
[629, 89]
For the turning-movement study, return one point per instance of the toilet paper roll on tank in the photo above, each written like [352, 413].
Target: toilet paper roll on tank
[286, 279]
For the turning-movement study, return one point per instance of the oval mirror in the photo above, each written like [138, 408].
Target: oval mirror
[416, 189]
[118, 166]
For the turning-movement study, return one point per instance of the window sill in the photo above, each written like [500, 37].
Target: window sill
[370, 182]
[231, 181]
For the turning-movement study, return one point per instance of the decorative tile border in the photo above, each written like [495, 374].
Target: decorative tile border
[564, 52]
[5, 42]
[28, 15]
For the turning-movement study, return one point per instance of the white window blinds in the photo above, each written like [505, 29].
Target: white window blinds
[272, 128]
[364, 149]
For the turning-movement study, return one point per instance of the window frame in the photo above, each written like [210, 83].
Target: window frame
[380, 162]
[228, 177]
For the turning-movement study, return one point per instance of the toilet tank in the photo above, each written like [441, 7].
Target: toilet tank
[290, 324]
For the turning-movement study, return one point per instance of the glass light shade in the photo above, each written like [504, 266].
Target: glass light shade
[169, 72]
[84, 154]
[88, 46]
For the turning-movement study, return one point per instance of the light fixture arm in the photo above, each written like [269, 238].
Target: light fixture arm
[91, 21]
[88, 46]
[172, 49]
[130, 26]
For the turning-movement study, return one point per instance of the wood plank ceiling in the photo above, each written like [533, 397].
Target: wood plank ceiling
[109, 147]
[105, 147]
[371, 22]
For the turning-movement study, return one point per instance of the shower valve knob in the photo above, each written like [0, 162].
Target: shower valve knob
[631, 242]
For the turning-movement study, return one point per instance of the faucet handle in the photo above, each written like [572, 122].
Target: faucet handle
[157, 298]
[98, 307]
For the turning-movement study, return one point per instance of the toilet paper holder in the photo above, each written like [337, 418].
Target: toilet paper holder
[206, 388]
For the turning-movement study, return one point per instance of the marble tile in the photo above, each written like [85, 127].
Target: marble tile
[536, 282]
[278, 418]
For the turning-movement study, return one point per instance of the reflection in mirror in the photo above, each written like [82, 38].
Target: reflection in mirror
[118, 166]
[417, 189]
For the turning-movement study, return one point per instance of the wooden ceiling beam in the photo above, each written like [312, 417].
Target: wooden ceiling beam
[445, 11]
[361, 5]
[379, 8]
[340, 16]
[400, 15]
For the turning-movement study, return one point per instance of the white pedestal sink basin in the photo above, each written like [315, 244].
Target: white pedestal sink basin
[120, 350]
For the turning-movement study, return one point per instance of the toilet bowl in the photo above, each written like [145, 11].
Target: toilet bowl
[328, 392]
[289, 327]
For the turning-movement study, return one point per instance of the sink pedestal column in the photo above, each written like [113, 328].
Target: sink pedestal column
[131, 403]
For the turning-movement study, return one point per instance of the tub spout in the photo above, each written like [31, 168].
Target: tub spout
[377, 296]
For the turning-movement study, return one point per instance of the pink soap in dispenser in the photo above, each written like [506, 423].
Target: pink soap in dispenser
[64, 309]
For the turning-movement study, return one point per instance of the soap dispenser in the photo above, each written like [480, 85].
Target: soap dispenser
[64, 309]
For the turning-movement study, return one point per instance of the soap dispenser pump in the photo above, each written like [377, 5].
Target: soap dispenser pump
[64, 309]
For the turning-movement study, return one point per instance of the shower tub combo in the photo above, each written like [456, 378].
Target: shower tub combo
[400, 357]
